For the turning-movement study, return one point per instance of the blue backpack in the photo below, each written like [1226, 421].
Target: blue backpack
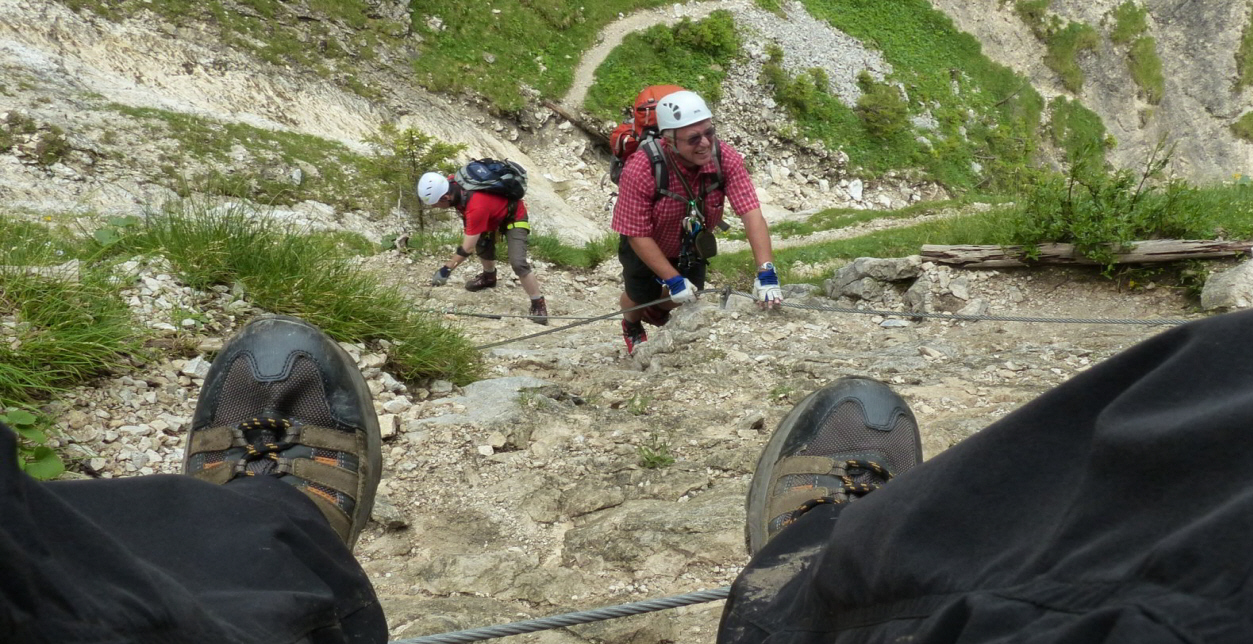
[505, 178]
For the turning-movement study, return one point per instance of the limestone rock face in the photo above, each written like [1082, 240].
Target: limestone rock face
[1197, 43]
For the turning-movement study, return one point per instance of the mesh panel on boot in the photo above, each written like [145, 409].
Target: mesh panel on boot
[300, 396]
[844, 431]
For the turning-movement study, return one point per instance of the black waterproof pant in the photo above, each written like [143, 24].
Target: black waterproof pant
[1117, 507]
[172, 559]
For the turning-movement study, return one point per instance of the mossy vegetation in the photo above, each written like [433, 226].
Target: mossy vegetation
[273, 175]
[1130, 21]
[327, 36]
[1244, 55]
[773, 6]
[1064, 46]
[1243, 127]
[1146, 69]
[1064, 41]
[1078, 132]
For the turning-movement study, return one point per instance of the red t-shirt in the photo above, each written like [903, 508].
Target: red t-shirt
[636, 215]
[484, 212]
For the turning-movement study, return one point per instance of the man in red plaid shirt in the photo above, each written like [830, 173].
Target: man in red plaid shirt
[658, 237]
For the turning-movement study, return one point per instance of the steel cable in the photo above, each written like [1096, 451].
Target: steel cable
[570, 619]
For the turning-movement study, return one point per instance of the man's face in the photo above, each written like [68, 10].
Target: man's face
[695, 143]
[444, 201]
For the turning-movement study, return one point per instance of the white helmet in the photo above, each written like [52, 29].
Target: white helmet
[431, 187]
[681, 109]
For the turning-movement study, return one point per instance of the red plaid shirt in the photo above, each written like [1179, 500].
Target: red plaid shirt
[636, 215]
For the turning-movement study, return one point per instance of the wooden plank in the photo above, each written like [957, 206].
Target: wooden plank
[1139, 252]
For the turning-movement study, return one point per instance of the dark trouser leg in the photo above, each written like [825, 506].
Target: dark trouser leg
[778, 583]
[1116, 507]
[170, 558]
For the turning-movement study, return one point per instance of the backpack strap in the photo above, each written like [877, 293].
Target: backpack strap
[661, 176]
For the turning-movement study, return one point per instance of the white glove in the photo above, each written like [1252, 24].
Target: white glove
[766, 288]
[681, 290]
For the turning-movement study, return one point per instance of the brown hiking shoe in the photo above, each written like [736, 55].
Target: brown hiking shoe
[842, 442]
[282, 399]
[481, 281]
[539, 311]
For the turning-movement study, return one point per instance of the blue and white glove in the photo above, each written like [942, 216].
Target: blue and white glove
[440, 277]
[681, 290]
[766, 287]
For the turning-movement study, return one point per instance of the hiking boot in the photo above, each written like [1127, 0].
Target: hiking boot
[284, 400]
[481, 281]
[539, 311]
[836, 445]
[633, 333]
[655, 315]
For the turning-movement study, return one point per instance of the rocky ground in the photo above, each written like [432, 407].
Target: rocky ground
[526, 494]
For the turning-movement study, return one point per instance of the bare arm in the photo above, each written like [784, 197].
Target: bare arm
[758, 234]
[467, 245]
[651, 254]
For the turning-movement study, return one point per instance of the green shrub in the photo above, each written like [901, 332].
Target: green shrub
[1146, 69]
[34, 456]
[1130, 20]
[881, 107]
[1101, 212]
[691, 54]
[1243, 127]
[714, 36]
[404, 157]
[1064, 45]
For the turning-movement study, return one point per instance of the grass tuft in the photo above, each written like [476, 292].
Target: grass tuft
[310, 276]
[55, 333]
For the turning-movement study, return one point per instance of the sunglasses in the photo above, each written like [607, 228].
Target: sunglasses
[694, 140]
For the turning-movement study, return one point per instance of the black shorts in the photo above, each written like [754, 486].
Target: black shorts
[640, 283]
